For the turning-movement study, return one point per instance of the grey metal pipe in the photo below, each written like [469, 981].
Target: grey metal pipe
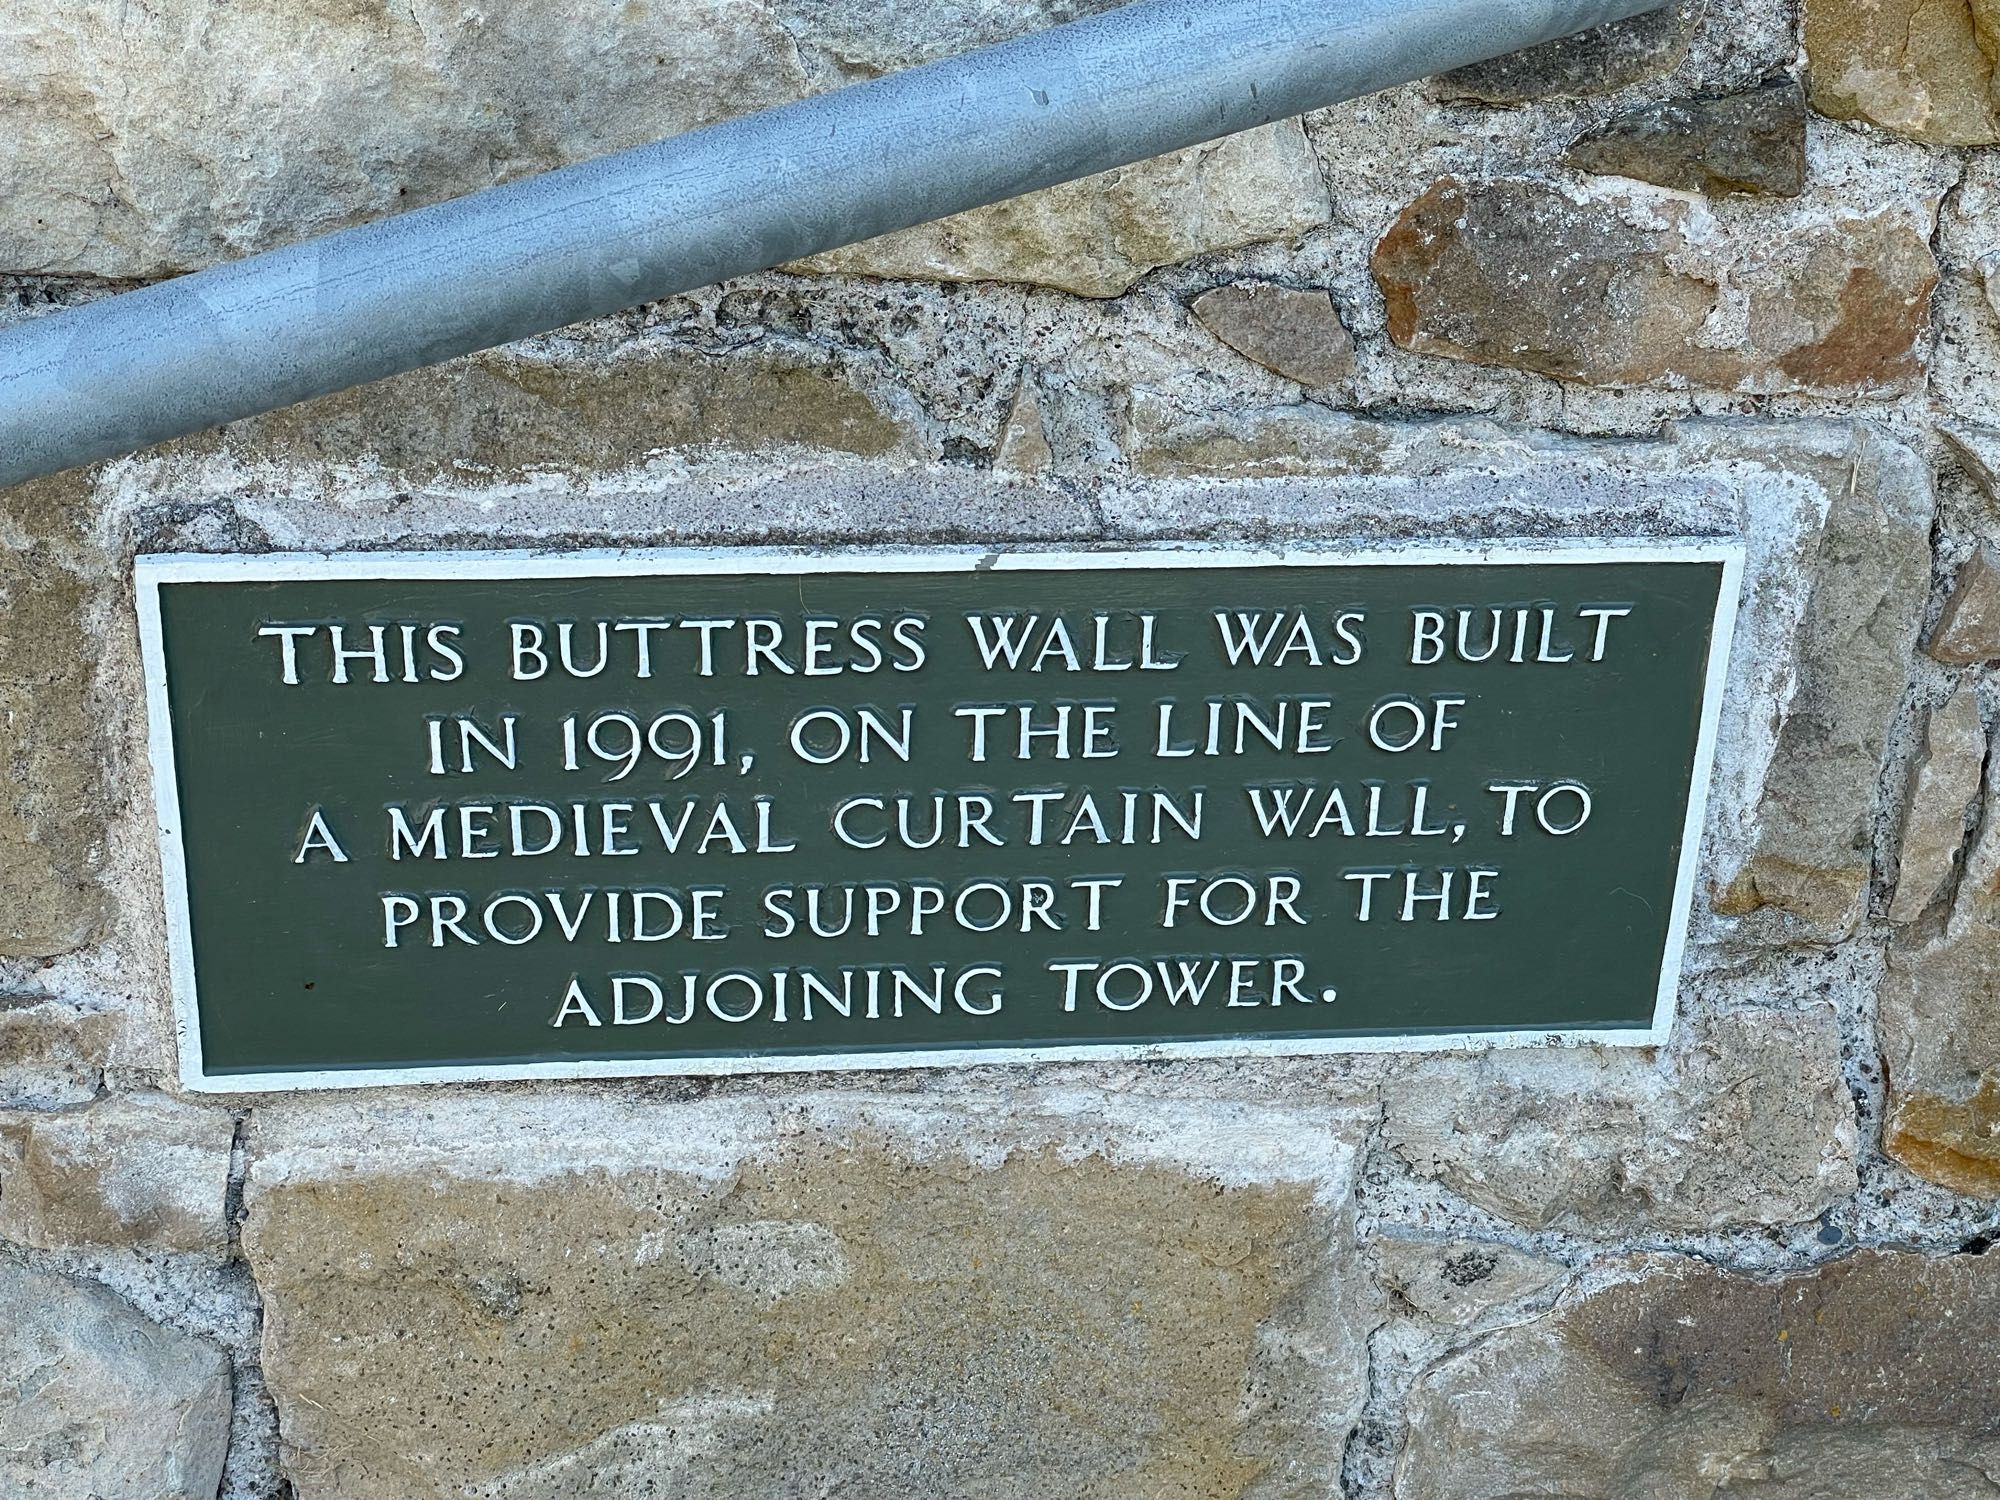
[114, 376]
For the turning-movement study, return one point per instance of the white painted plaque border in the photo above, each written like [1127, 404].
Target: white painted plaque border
[154, 570]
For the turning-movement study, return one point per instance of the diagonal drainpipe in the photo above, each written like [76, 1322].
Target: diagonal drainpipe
[117, 375]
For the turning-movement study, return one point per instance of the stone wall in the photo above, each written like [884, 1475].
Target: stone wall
[1728, 270]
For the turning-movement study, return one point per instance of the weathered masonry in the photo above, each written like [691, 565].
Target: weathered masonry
[1715, 286]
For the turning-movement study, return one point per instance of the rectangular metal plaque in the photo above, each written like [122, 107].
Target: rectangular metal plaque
[443, 816]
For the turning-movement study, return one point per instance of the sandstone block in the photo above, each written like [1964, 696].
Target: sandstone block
[51, 1054]
[1745, 1123]
[501, 415]
[1250, 443]
[1942, 792]
[1968, 631]
[1745, 143]
[1296, 334]
[1940, 1034]
[1940, 1041]
[169, 139]
[1326, 472]
[51, 751]
[1685, 1382]
[1868, 578]
[1950, 1141]
[1923, 68]
[101, 1404]
[1595, 62]
[547, 1297]
[136, 1169]
[1098, 236]
[1621, 287]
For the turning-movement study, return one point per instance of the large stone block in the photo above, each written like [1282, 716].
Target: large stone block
[501, 415]
[140, 1169]
[1923, 68]
[1942, 792]
[164, 139]
[547, 1297]
[51, 1054]
[1940, 1037]
[1870, 1377]
[100, 1404]
[1624, 286]
[1940, 1031]
[51, 748]
[1098, 236]
[1744, 1122]
[1867, 575]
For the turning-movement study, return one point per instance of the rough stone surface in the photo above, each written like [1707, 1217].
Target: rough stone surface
[133, 154]
[500, 415]
[51, 793]
[1293, 333]
[1733, 1127]
[1940, 1033]
[1923, 68]
[1868, 583]
[1163, 436]
[1941, 796]
[1456, 1283]
[100, 1404]
[1952, 1141]
[1624, 287]
[51, 1054]
[1316, 471]
[1252, 443]
[1869, 1377]
[979, 1304]
[1595, 62]
[1968, 632]
[135, 1169]
[1744, 143]
[1098, 236]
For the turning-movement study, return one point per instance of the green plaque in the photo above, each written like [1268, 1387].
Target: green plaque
[470, 816]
